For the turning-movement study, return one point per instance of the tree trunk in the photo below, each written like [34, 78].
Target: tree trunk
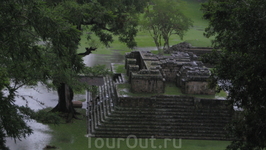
[166, 41]
[65, 105]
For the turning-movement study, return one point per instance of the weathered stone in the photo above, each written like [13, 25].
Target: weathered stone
[131, 61]
[77, 104]
[178, 47]
[155, 70]
[193, 80]
[132, 68]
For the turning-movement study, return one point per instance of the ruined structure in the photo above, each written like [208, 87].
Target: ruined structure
[193, 80]
[186, 47]
[149, 72]
[111, 115]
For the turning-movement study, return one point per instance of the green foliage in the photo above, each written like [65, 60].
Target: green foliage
[39, 41]
[43, 115]
[164, 18]
[11, 119]
[239, 30]
[47, 117]
[2, 140]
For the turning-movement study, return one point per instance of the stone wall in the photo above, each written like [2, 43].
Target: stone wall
[193, 80]
[148, 72]
[147, 81]
[166, 117]
[212, 104]
[186, 47]
[150, 102]
[132, 55]
[178, 47]
[143, 102]
[170, 69]
[146, 56]
[196, 87]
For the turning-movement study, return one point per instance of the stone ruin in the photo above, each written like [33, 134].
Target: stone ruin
[111, 115]
[186, 47]
[192, 80]
[148, 72]
[178, 47]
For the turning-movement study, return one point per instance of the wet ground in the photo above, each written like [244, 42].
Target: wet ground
[36, 98]
[40, 97]
[94, 59]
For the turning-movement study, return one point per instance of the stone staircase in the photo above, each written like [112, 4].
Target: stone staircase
[169, 117]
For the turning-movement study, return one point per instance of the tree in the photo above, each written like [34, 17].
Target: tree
[163, 19]
[104, 19]
[239, 30]
[36, 45]
[39, 41]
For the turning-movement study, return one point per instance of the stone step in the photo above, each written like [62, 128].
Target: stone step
[187, 126]
[203, 126]
[173, 109]
[188, 116]
[143, 134]
[148, 137]
[171, 117]
[166, 122]
[130, 130]
[163, 133]
[171, 113]
[178, 102]
[173, 121]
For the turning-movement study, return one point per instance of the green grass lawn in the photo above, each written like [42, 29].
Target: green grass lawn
[71, 136]
[143, 39]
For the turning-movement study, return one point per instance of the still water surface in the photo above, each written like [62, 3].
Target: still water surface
[40, 97]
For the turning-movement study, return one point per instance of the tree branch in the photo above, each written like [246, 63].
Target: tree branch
[88, 51]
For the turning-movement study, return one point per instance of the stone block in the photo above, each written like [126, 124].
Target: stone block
[77, 104]
[131, 61]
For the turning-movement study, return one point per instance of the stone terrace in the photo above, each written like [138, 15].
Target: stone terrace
[111, 116]
[163, 117]
[148, 72]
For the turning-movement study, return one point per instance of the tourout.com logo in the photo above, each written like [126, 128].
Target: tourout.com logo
[133, 141]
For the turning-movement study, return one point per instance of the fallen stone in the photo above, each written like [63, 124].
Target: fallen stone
[77, 104]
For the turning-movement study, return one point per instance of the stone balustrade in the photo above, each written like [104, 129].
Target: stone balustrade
[101, 106]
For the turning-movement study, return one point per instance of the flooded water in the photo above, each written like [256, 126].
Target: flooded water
[94, 59]
[40, 97]
[37, 98]
[37, 141]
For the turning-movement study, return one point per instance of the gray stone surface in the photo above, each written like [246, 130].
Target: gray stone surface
[178, 47]
[148, 72]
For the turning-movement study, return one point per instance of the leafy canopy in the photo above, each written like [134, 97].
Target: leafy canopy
[39, 41]
[239, 30]
[164, 18]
